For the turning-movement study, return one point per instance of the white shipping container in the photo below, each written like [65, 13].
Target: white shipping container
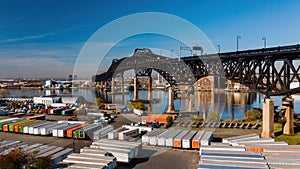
[145, 138]
[101, 133]
[153, 138]
[187, 140]
[114, 134]
[239, 138]
[31, 128]
[207, 137]
[60, 131]
[49, 130]
[37, 131]
[123, 135]
[169, 138]
[161, 140]
[26, 127]
[197, 139]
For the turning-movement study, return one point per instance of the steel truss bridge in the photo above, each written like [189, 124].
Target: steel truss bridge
[269, 70]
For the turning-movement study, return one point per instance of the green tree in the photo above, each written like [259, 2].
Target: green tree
[253, 114]
[138, 105]
[40, 163]
[15, 159]
[169, 121]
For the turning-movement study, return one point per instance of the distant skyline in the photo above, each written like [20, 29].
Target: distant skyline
[44, 38]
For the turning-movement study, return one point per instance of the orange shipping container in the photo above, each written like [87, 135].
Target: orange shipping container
[195, 144]
[70, 131]
[177, 143]
[23, 124]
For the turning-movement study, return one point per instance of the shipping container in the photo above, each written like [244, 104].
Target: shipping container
[177, 142]
[207, 138]
[19, 126]
[68, 112]
[239, 138]
[57, 111]
[153, 137]
[55, 129]
[76, 132]
[51, 152]
[7, 121]
[47, 130]
[14, 126]
[85, 166]
[161, 140]
[70, 131]
[124, 135]
[89, 133]
[170, 137]
[145, 138]
[197, 139]
[6, 126]
[62, 132]
[26, 127]
[58, 157]
[103, 132]
[38, 130]
[114, 134]
[31, 128]
[105, 160]
[37, 117]
[122, 155]
[187, 139]
[86, 161]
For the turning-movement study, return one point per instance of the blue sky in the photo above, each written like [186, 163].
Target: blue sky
[44, 38]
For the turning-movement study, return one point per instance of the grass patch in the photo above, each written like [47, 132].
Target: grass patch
[290, 139]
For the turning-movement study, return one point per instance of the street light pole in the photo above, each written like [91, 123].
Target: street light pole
[265, 41]
[237, 42]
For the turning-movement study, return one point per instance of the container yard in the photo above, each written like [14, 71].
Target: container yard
[57, 154]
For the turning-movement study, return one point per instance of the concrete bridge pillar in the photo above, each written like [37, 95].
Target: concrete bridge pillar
[136, 89]
[171, 100]
[101, 84]
[113, 85]
[105, 85]
[149, 88]
[268, 119]
[192, 104]
[122, 84]
[288, 128]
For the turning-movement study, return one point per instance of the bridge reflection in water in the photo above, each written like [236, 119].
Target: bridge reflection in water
[230, 105]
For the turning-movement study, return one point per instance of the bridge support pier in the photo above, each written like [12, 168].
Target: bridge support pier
[171, 100]
[113, 85]
[191, 104]
[136, 89]
[268, 119]
[105, 86]
[122, 84]
[149, 88]
[288, 128]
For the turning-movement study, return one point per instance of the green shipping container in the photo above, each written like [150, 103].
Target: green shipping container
[4, 123]
[12, 126]
[68, 112]
[76, 132]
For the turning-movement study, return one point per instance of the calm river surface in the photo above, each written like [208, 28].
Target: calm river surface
[232, 105]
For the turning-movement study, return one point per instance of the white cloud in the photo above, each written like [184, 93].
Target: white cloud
[26, 38]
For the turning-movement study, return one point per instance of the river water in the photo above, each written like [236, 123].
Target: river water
[230, 105]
